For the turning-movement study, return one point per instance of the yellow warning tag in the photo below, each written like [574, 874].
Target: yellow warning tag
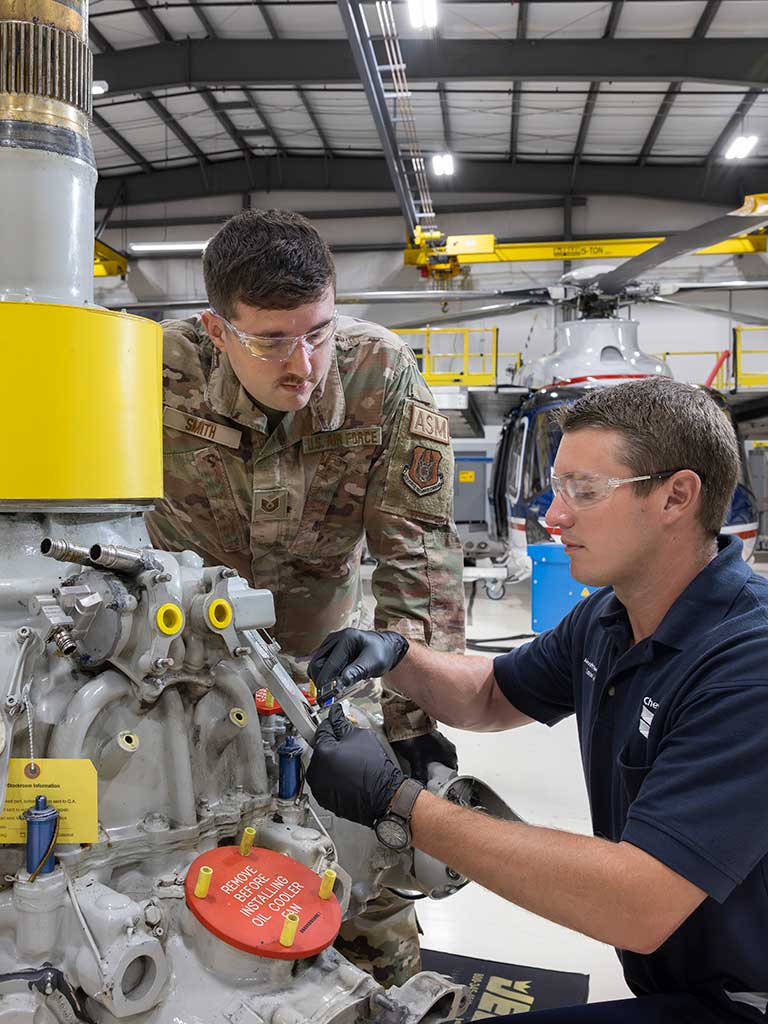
[70, 784]
[584, 593]
[760, 444]
[467, 476]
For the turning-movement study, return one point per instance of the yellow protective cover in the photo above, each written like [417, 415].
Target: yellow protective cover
[80, 404]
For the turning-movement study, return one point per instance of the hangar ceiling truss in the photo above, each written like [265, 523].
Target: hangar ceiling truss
[210, 97]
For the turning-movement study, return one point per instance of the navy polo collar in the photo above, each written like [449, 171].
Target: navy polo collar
[701, 605]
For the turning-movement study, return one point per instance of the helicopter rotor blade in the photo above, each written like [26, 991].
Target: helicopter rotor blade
[680, 287]
[752, 215]
[477, 313]
[409, 295]
[438, 295]
[740, 318]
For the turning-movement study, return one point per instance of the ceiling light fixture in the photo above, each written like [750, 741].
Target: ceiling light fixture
[99, 87]
[741, 147]
[146, 248]
[442, 164]
[423, 13]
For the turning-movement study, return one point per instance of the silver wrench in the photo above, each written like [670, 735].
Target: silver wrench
[303, 716]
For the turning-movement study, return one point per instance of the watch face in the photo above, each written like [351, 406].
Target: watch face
[392, 833]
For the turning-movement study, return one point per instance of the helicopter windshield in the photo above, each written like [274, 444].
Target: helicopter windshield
[515, 464]
[540, 453]
[531, 454]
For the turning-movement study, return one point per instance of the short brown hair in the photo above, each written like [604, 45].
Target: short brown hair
[270, 259]
[666, 424]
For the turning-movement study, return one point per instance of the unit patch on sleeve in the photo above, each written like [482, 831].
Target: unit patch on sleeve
[430, 424]
[205, 429]
[419, 474]
[422, 474]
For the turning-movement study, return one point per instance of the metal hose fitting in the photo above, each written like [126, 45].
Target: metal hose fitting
[63, 640]
[63, 551]
[110, 556]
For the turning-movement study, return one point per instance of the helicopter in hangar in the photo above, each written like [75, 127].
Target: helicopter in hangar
[596, 348]
[521, 492]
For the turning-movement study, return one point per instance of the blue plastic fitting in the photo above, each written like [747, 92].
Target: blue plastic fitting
[289, 754]
[41, 824]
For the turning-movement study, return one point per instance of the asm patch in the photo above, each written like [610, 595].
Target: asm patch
[422, 474]
[430, 424]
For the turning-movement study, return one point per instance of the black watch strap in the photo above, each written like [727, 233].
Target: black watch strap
[405, 798]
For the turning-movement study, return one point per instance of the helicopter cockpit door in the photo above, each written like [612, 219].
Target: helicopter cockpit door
[506, 477]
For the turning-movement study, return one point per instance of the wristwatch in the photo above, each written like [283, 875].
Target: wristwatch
[393, 830]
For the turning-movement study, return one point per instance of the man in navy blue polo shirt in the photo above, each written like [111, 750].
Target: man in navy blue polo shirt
[666, 670]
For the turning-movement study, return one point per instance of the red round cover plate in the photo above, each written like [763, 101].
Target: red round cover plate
[249, 897]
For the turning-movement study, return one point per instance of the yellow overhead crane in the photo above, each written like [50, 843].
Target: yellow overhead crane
[442, 256]
[108, 262]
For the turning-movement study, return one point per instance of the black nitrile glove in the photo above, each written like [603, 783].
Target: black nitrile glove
[348, 656]
[422, 751]
[350, 772]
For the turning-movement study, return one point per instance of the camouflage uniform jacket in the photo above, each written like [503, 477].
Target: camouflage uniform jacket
[368, 459]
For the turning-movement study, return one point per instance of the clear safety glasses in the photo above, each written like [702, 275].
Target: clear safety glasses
[280, 350]
[581, 490]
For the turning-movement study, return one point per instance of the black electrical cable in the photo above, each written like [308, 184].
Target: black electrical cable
[490, 650]
[407, 895]
[500, 639]
[487, 646]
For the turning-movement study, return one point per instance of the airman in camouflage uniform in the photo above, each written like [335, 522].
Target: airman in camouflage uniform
[288, 494]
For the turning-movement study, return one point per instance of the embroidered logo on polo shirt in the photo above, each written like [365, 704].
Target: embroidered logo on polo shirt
[650, 706]
[590, 668]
